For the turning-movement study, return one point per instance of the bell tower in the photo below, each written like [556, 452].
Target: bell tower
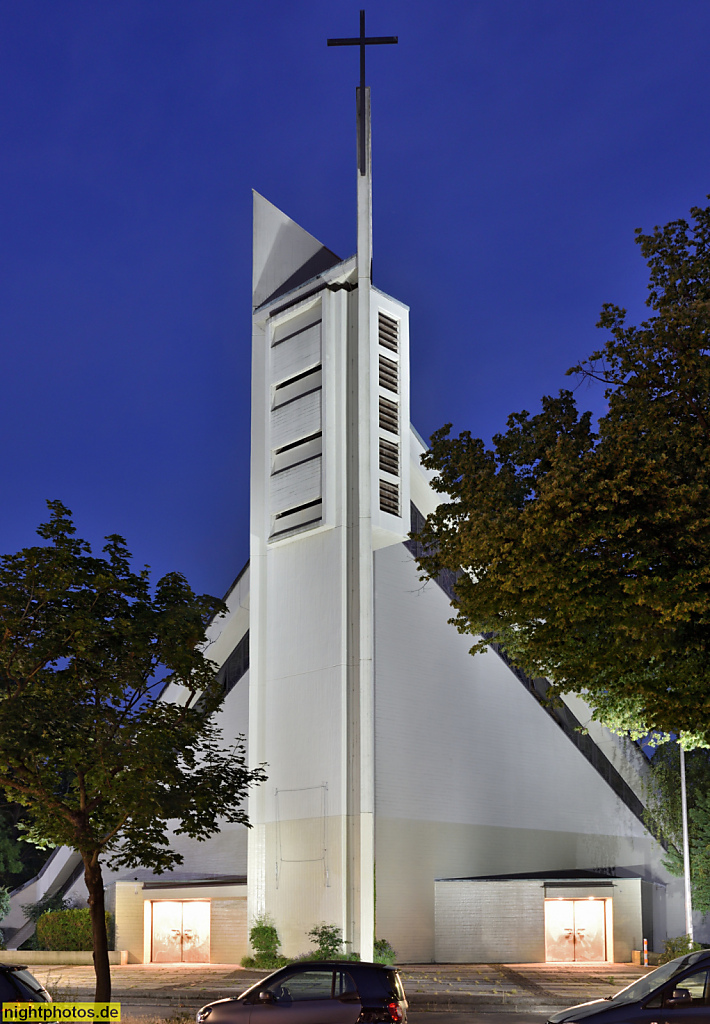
[329, 485]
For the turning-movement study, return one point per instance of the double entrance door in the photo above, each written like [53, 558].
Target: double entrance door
[575, 930]
[181, 931]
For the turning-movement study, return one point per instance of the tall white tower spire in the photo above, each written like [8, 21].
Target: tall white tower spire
[361, 718]
[329, 487]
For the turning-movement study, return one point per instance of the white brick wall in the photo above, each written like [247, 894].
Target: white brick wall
[229, 940]
[490, 922]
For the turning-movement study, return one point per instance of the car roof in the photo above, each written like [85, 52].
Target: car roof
[699, 956]
[339, 963]
[356, 966]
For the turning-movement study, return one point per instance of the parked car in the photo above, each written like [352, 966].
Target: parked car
[316, 992]
[17, 985]
[677, 991]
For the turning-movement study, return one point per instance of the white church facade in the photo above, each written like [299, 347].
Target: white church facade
[414, 793]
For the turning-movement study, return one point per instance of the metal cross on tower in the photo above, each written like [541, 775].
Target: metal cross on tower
[362, 41]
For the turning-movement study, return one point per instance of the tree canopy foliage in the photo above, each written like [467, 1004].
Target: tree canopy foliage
[586, 549]
[664, 814]
[19, 861]
[101, 763]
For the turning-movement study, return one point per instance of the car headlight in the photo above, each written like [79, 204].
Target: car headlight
[203, 1014]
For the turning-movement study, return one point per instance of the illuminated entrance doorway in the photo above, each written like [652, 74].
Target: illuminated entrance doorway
[575, 930]
[180, 931]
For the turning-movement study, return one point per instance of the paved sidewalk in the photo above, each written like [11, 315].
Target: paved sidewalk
[543, 987]
[432, 989]
[158, 1015]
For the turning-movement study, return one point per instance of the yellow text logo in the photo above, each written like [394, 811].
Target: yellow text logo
[46, 1013]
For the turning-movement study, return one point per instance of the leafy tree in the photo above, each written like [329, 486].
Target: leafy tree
[664, 813]
[86, 745]
[4, 908]
[699, 827]
[586, 552]
[4, 901]
[19, 861]
[10, 860]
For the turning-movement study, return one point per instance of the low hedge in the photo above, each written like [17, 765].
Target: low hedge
[62, 930]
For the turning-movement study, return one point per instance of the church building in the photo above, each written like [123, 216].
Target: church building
[414, 793]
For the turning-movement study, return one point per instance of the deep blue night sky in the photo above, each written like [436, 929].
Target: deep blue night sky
[516, 147]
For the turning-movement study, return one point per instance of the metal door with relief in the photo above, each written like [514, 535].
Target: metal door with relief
[575, 930]
[589, 930]
[181, 931]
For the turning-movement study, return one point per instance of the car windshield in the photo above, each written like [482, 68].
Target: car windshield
[638, 990]
[29, 982]
[396, 983]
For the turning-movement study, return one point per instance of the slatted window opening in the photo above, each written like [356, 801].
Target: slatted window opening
[298, 386]
[388, 338]
[389, 374]
[296, 423]
[389, 497]
[388, 331]
[389, 416]
[389, 457]
[298, 518]
[235, 666]
[296, 453]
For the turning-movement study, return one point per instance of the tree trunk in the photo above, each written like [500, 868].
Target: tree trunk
[95, 886]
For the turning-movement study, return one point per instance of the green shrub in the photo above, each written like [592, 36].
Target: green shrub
[265, 961]
[61, 930]
[265, 941]
[263, 936]
[317, 954]
[33, 911]
[678, 946]
[328, 940]
[384, 952]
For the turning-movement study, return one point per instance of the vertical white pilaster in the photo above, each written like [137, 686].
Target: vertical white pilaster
[364, 669]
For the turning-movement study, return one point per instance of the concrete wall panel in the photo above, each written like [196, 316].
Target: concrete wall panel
[411, 854]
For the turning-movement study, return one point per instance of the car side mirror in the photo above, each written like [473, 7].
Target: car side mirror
[680, 997]
[265, 997]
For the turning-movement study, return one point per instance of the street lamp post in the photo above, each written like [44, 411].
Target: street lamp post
[686, 847]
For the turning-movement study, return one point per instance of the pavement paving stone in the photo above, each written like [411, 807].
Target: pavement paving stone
[168, 1015]
[431, 988]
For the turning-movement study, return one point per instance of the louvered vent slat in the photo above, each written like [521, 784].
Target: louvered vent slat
[389, 497]
[389, 416]
[388, 330]
[389, 457]
[389, 374]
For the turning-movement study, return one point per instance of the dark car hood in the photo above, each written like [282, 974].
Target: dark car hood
[581, 1011]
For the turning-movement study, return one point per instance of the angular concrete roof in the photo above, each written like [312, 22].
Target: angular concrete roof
[284, 254]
